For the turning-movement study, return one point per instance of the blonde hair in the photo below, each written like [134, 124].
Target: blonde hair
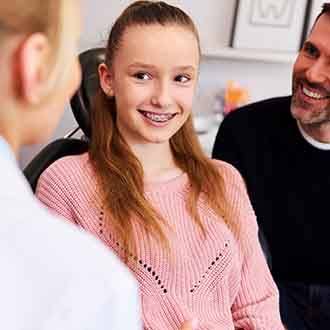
[49, 17]
[119, 172]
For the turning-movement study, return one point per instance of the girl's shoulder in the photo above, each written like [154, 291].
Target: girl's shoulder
[228, 172]
[68, 170]
[69, 165]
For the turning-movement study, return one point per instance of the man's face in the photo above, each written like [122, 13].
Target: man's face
[311, 77]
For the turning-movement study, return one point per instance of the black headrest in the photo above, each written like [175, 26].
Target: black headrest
[81, 101]
[49, 154]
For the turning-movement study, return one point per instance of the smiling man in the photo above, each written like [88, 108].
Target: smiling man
[282, 148]
[310, 103]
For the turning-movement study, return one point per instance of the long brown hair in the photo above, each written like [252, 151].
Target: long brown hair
[118, 171]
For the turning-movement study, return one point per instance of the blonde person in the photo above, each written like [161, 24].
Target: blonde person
[52, 276]
[182, 222]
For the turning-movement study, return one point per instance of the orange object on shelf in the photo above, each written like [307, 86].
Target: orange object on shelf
[235, 96]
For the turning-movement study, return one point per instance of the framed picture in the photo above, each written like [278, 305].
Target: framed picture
[276, 25]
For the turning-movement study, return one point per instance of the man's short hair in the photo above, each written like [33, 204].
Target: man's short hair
[325, 10]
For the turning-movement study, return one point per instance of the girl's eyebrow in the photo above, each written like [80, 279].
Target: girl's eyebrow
[141, 65]
[153, 67]
[185, 68]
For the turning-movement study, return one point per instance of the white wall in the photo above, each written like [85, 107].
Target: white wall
[213, 18]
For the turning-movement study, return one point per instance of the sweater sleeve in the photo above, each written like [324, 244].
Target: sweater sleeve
[256, 306]
[55, 191]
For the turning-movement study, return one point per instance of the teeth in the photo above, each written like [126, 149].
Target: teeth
[311, 94]
[158, 118]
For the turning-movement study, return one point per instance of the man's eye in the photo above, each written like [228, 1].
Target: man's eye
[311, 50]
[182, 78]
[142, 76]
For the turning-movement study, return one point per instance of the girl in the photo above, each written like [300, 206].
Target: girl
[182, 222]
[52, 275]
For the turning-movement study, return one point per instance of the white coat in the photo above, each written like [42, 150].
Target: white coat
[52, 275]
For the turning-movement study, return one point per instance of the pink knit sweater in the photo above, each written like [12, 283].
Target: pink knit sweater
[222, 280]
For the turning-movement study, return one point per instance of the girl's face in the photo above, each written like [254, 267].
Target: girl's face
[153, 77]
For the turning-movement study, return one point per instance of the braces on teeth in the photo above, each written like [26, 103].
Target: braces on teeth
[159, 118]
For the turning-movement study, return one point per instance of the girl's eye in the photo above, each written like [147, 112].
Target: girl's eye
[142, 76]
[182, 78]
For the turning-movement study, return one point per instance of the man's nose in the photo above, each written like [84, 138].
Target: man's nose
[318, 72]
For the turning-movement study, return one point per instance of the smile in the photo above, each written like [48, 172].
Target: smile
[312, 94]
[157, 117]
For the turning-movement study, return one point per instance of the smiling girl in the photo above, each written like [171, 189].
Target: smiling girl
[182, 222]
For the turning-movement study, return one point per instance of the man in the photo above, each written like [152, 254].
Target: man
[281, 146]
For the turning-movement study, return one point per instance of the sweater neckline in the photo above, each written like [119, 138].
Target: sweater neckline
[176, 183]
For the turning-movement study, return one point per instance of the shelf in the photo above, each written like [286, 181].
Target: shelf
[250, 55]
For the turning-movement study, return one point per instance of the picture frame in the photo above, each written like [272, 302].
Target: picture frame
[269, 25]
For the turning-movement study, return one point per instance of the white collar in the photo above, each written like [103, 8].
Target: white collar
[10, 174]
[312, 141]
[6, 151]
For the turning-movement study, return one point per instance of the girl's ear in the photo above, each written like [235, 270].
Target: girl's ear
[106, 80]
[31, 67]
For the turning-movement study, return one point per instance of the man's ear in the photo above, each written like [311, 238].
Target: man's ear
[31, 67]
[106, 80]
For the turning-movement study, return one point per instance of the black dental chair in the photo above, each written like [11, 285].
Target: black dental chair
[80, 105]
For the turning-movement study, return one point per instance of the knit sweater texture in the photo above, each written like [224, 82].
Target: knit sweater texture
[221, 279]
